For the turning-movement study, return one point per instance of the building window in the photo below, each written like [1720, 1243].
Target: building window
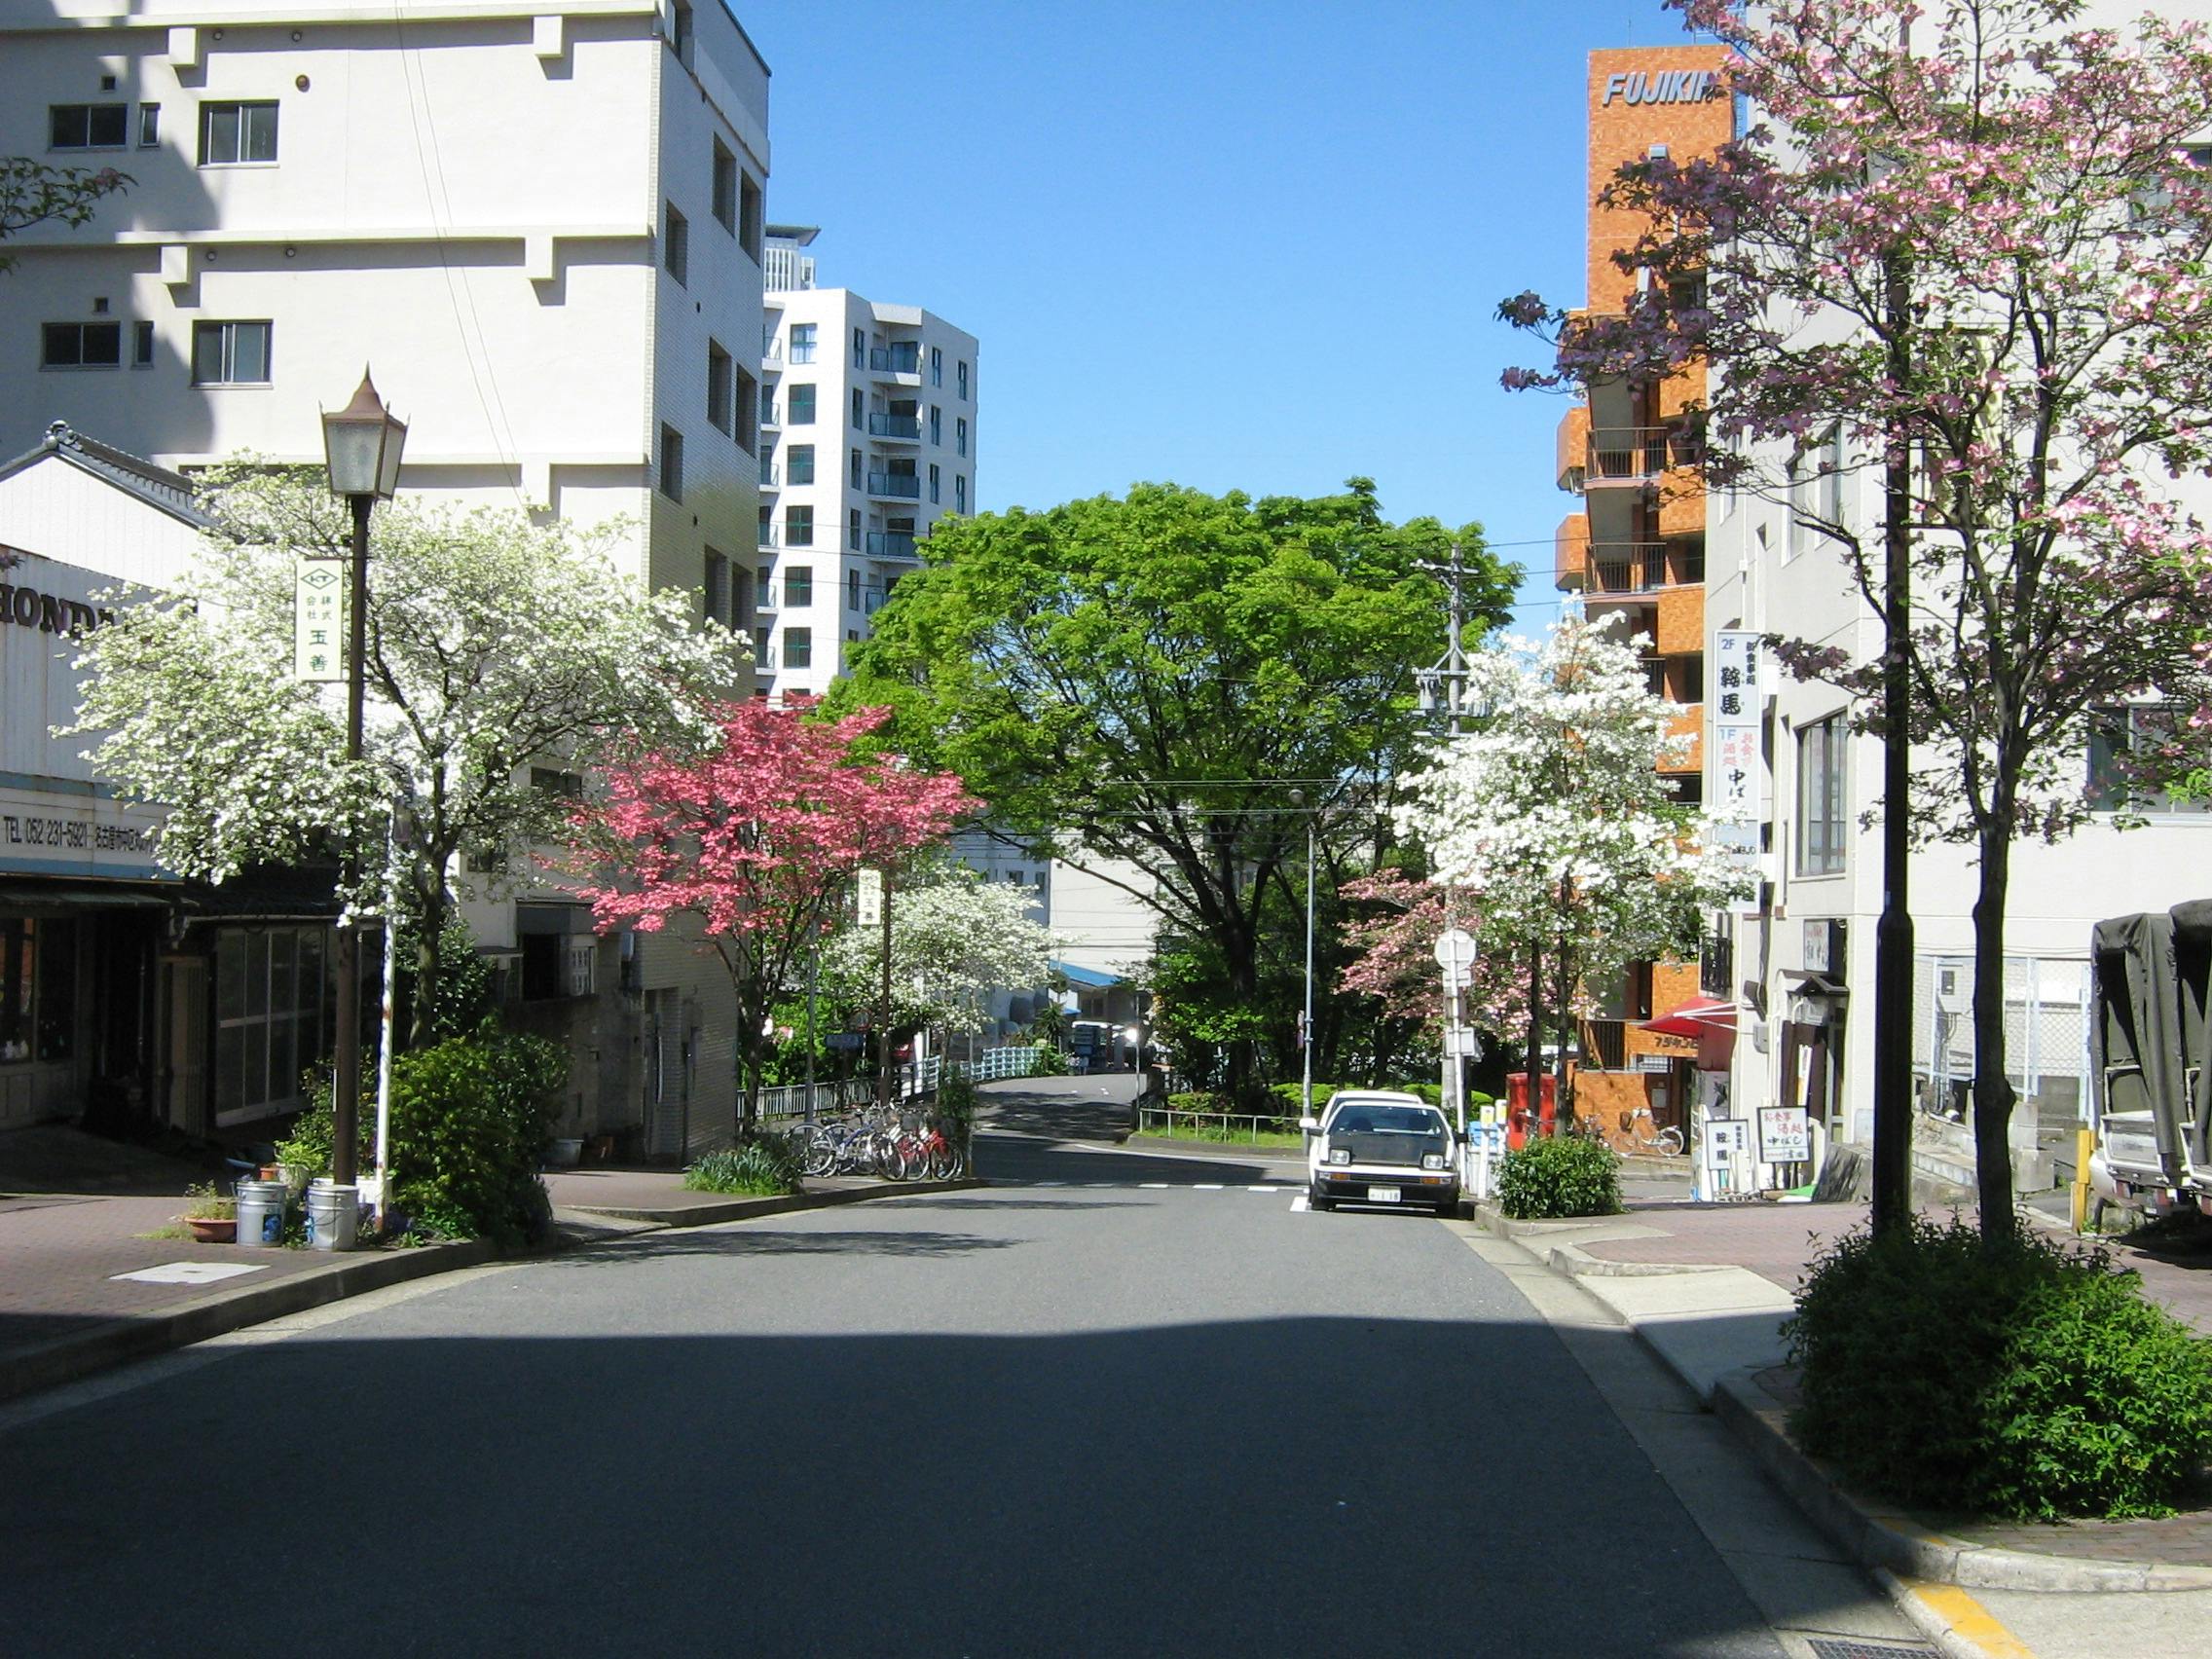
[672, 464]
[859, 469]
[852, 590]
[2118, 735]
[767, 404]
[959, 495]
[1819, 797]
[964, 381]
[859, 410]
[763, 649]
[86, 127]
[749, 215]
[937, 426]
[853, 531]
[935, 493]
[717, 597]
[269, 997]
[802, 342]
[767, 527]
[233, 134]
[860, 347]
[230, 353]
[799, 648]
[799, 462]
[141, 345]
[746, 400]
[81, 345]
[552, 781]
[799, 405]
[723, 194]
[937, 365]
[960, 435]
[676, 243]
[149, 127]
[799, 586]
[680, 32]
[721, 387]
[798, 526]
[38, 989]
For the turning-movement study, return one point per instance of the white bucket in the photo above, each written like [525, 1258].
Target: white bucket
[261, 1213]
[334, 1215]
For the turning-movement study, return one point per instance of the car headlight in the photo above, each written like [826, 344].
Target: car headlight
[1432, 1161]
[1340, 1154]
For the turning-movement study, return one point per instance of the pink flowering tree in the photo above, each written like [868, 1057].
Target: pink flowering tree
[1953, 280]
[1397, 919]
[752, 844]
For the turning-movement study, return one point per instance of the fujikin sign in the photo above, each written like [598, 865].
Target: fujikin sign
[1664, 85]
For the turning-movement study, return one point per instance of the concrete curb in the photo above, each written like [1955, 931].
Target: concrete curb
[746, 1209]
[1897, 1543]
[117, 1342]
[64, 1359]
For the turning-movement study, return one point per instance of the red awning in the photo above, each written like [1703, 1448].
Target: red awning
[1696, 1017]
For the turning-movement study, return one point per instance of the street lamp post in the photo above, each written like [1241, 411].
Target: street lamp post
[361, 447]
[1306, 1021]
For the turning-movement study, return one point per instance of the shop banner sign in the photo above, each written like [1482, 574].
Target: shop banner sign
[319, 618]
[1740, 665]
[1785, 1136]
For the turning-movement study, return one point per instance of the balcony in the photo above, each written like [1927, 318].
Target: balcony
[1571, 447]
[769, 417]
[903, 486]
[772, 354]
[902, 358]
[1636, 454]
[771, 475]
[1624, 568]
[771, 538]
[895, 427]
[1571, 552]
[891, 544]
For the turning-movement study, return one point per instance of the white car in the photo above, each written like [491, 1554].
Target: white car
[1380, 1147]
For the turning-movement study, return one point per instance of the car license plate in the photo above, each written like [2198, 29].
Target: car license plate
[1381, 1195]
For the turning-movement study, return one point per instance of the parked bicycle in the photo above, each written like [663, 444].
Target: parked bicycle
[1642, 1132]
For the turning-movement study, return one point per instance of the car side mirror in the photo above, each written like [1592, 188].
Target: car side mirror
[1311, 1125]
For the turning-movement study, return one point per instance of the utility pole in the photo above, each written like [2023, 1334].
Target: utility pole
[883, 1007]
[1444, 688]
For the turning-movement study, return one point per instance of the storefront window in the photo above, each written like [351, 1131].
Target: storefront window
[38, 989]
[268, 1018]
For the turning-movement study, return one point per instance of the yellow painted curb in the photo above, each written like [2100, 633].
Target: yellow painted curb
[1968, 1619]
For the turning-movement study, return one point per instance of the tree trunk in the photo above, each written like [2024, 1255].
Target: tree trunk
[1992, 1095]
[1536, 1059]
[432, 907]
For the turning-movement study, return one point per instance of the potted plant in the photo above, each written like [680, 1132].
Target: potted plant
[212, 1217]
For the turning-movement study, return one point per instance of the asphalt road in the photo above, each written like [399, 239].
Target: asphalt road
[1151, 1411]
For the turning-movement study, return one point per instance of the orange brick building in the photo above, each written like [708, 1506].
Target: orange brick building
[1637, 544]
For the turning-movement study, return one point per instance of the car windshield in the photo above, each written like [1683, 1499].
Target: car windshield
[1387, 1121]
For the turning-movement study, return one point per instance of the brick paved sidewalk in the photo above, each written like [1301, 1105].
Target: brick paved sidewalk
[1777, 1241]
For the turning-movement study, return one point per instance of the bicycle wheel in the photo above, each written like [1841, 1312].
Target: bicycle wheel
[816, 1154]
[1671, 1141]
[941, 1160]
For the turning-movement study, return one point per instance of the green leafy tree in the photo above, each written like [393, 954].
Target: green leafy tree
[33, 192]
[1174, 678]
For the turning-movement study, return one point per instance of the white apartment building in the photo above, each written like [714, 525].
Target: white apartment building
[540, 224]
[868, 415]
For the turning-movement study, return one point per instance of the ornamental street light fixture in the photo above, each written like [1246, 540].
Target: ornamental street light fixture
[361, 446]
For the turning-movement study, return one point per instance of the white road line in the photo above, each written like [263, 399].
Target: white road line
[1053, 1183]
[1207, 1187]
[1299, 1205]
[1270, 1188]
[1154, 1185]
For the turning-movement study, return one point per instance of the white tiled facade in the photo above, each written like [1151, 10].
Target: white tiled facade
[541, 225]
[869, 434]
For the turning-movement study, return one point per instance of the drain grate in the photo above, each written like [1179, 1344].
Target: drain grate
[1828, 1647]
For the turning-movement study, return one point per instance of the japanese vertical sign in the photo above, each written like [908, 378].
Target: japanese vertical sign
[1739, 697]
[319, 618]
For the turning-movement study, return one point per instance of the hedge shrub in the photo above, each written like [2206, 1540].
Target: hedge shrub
[2021, 1378]
[1560, 1175]
[469, 1122]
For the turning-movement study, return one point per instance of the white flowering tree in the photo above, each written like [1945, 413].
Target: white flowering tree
[955, 936]
[492, 642]
[1550, 817]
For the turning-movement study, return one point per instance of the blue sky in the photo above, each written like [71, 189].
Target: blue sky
[1229, 246]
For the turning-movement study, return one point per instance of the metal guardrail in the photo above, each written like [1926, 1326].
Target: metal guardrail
[1168, 1116]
